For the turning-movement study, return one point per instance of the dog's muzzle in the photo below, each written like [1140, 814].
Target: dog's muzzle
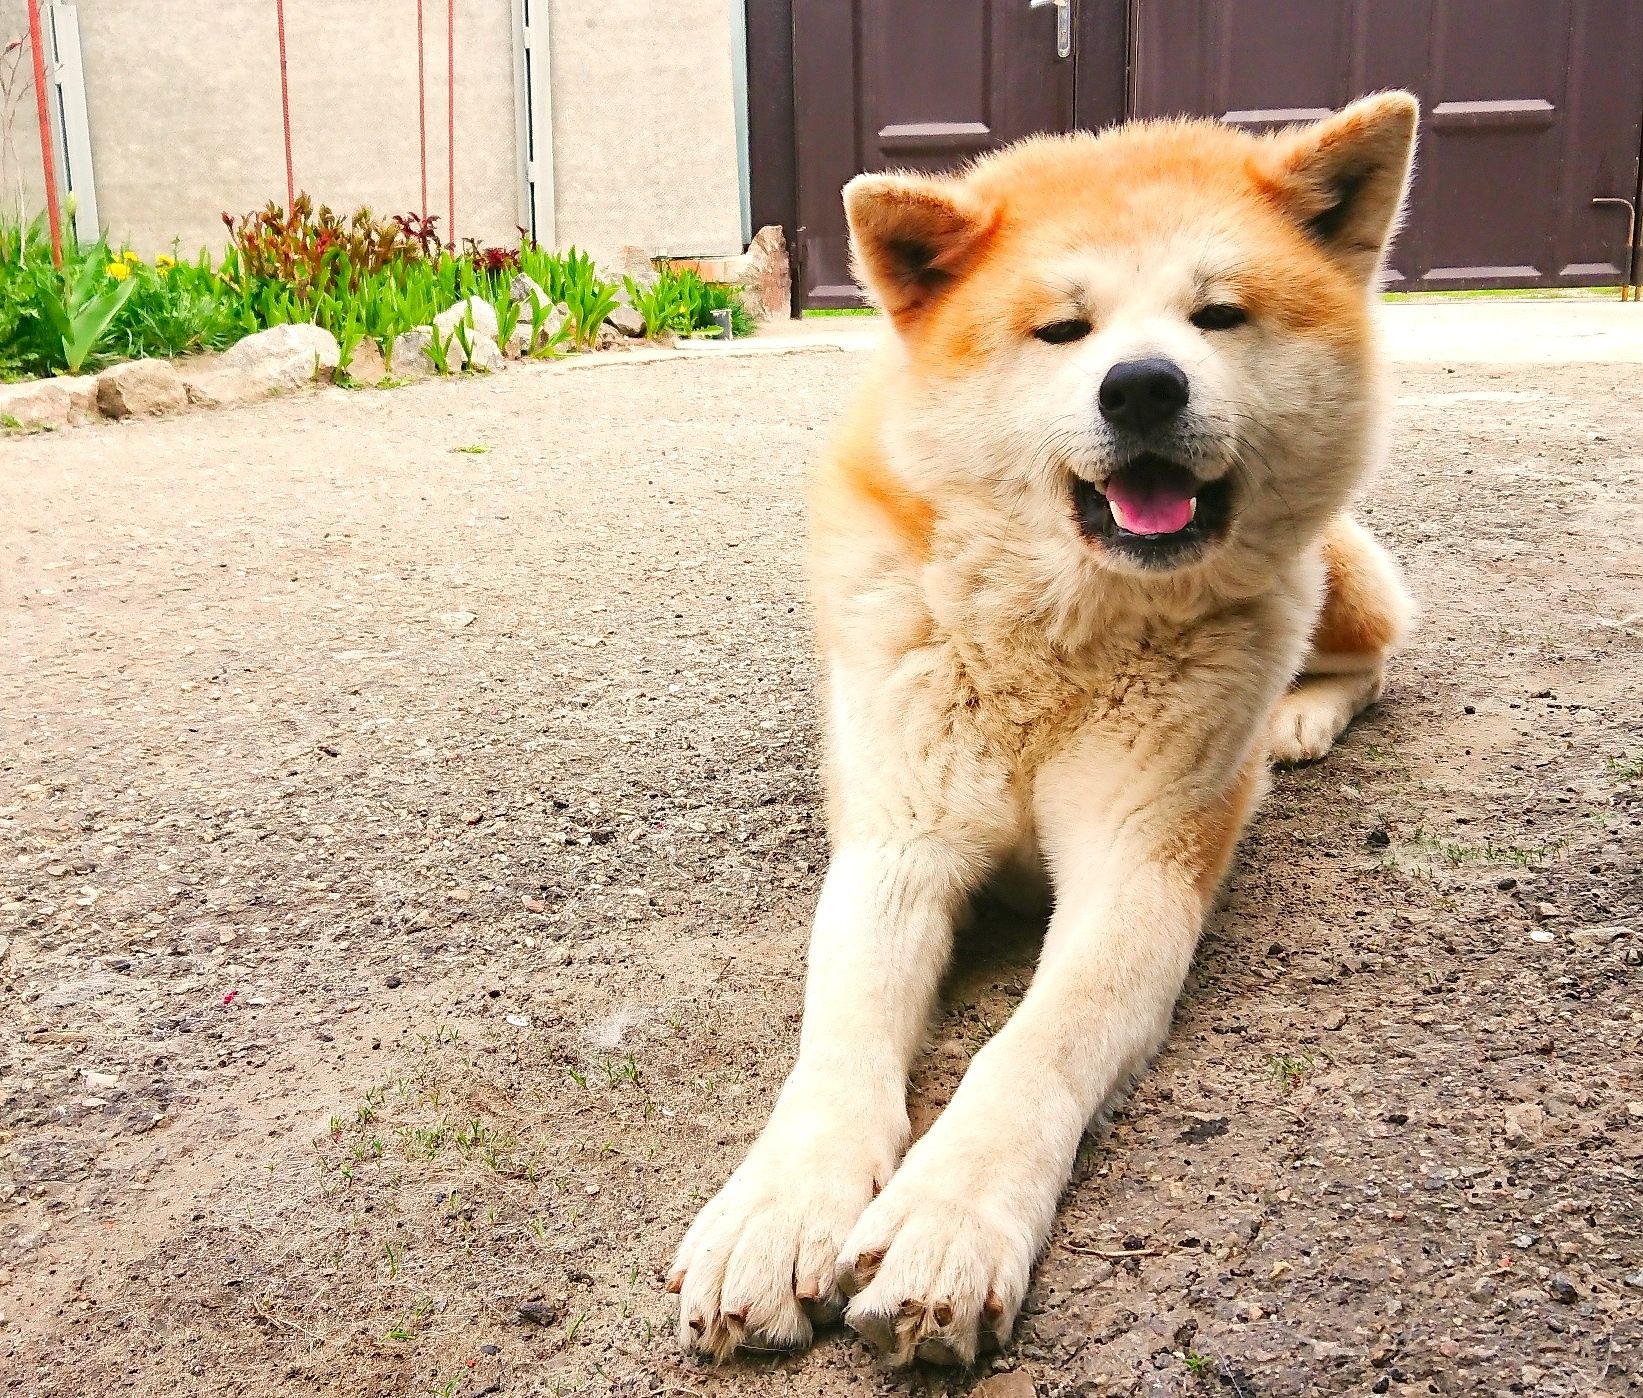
[1153, 512]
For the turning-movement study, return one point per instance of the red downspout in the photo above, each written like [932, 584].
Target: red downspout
[422, 107]
[450, 115]
[48, 157]
[285, 107]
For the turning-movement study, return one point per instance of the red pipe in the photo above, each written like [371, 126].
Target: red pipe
[422, 107]
[48, 157]
[450, 115]
[285, 107]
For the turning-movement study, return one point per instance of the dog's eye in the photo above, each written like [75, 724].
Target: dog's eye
[1063, 332]
[1218, 315]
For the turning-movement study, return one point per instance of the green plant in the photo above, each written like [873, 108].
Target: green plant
[439, 350]
[661, 304]
[463, 331]
[507, 313]
[543, 341]
[305, 246]
[679, 302]
[572, 278]
[360, 277]
[1627, 769]
[82, 306]
[1289, 1070]
[703, 298]
[406, 1327]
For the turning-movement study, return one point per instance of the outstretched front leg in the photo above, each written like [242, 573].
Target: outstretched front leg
[939, 1263]
[1366, 613]
[913, 821]
[757, 1268]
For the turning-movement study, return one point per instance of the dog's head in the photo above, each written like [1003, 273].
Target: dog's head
[1150, 347]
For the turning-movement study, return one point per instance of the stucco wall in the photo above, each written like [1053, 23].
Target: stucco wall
[644, 118]
[183, 103]
[20, 141]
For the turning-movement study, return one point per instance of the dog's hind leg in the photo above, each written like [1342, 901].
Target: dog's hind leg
[1366, 612]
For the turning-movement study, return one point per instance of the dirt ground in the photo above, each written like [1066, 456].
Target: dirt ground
[409, 830]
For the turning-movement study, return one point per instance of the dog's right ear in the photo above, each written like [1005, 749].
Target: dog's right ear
[911, 237]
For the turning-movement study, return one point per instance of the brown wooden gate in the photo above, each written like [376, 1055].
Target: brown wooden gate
[1532, 109]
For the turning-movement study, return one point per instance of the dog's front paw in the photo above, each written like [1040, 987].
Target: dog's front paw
[1302, 728]
[935, 1270]
[757, 1268]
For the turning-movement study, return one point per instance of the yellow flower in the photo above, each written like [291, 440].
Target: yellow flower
[132, 257]
[119, 271]
[163, 262]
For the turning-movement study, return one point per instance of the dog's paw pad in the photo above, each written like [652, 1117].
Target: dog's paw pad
[757, 1269]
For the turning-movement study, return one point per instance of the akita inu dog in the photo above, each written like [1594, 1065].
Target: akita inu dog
[1080, 569]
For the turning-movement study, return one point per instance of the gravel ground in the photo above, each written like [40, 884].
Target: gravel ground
[409, 820]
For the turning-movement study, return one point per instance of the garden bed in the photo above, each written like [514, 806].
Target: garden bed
[302, 294]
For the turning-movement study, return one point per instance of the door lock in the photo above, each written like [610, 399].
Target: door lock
[1063, 24]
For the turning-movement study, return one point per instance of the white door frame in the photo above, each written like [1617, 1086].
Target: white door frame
[533, 119]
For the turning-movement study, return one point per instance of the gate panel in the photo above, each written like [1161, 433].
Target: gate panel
[908, 84]
[1531, 109]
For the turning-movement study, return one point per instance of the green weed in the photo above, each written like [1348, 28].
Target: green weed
[1627, 769]
[1289, 1070]
[1457, 853]
[406, 1327]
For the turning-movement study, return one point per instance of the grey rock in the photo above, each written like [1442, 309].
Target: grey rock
[140, 388]
[212, 386]
[49, 402]
[366, 365]
[764, 280]
[1015, 1384]
[487, 357]
[285, 357]
[1525, 1123]
[628, 321]
[478, 314]
[518, 343]
[525, 290]
[1599, 936]
[409, 358]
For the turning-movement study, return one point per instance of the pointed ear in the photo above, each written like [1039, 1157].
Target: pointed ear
[1343, 178]
[912, 237]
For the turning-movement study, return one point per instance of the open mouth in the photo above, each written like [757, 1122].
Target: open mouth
[1153, 511]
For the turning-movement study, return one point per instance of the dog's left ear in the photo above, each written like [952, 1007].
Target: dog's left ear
[912, 237]
[1343, 179]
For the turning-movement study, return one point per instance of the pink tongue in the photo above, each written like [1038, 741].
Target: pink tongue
[1157, 511]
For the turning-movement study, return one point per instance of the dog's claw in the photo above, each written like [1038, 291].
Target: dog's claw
[856, 1276]
[876, 1330]
[935, 1350]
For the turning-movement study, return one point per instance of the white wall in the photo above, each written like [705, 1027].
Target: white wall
[644, 117]
[183, 101]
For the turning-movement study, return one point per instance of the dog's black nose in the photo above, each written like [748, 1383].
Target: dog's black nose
[1140, 394]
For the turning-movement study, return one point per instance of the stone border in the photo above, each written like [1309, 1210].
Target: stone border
[263, 365]
[290, 358]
